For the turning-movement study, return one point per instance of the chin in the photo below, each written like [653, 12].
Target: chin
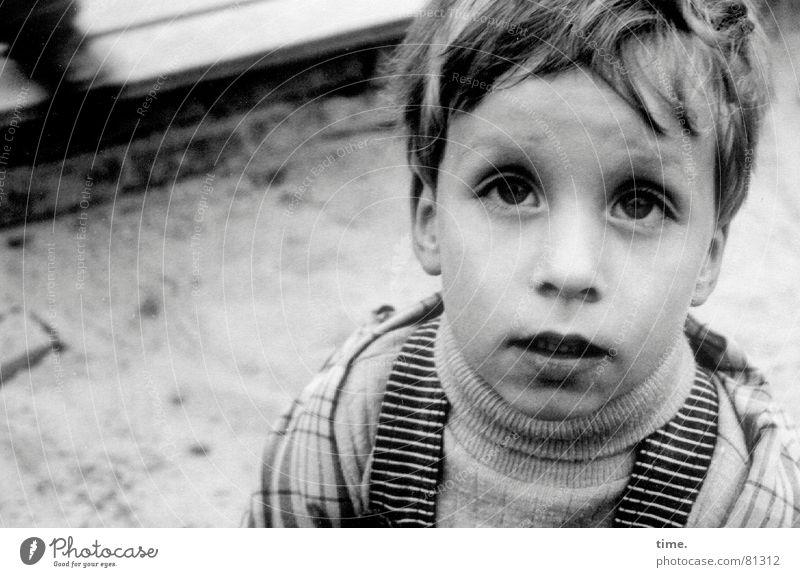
[554, 403]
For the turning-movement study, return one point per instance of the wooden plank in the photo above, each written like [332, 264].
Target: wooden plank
[260, 34]
[98, 17]
[181, 43]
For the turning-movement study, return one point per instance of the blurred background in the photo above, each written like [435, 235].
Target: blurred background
[200, 199]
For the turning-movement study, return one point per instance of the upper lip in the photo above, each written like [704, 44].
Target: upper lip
[559, 345]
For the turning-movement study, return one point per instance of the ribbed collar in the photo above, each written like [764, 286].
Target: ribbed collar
[583, 451]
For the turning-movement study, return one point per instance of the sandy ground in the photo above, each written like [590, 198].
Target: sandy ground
[191, 314]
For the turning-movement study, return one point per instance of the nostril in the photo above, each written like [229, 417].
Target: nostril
[591, 295]
[547, 289]
[565, 291]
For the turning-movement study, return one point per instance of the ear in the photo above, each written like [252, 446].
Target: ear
[424, 228]
[707, 279]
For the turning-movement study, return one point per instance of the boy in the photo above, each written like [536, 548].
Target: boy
[576, 167]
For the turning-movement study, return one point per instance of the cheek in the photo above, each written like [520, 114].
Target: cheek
[478, 255]
[684, 257]
[659, 283]
[480, 265]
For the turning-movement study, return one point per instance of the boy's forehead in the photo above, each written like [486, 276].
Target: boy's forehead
[542, 111]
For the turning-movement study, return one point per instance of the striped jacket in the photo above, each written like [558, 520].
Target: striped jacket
[303, 482]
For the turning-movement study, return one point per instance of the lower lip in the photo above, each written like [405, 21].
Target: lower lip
[550, 367]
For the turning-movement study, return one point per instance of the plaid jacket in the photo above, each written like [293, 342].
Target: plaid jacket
[303, 481]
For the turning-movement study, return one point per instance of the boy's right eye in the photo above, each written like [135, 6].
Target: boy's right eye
[510, 190]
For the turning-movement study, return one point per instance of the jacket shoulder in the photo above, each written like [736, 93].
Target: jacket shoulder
[364, 340]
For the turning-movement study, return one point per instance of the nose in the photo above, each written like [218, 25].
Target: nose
[569, 266]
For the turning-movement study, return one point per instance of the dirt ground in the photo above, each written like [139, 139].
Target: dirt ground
[190, 314]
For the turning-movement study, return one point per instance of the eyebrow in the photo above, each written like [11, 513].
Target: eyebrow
[636, 152]
[660, 155]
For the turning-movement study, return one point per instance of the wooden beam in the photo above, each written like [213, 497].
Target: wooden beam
[231, 39]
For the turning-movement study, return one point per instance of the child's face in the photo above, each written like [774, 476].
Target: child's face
[571, 240]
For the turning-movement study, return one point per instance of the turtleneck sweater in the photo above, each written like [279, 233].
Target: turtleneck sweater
[504, 467]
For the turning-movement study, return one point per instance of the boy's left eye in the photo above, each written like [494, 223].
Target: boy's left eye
[642, 205]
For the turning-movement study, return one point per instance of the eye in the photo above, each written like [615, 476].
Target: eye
[511, 190]
[643, 205]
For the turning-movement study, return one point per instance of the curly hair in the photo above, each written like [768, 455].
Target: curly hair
[624, 42]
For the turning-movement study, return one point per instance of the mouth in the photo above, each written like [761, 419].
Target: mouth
[555, 357]
[560, 346]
